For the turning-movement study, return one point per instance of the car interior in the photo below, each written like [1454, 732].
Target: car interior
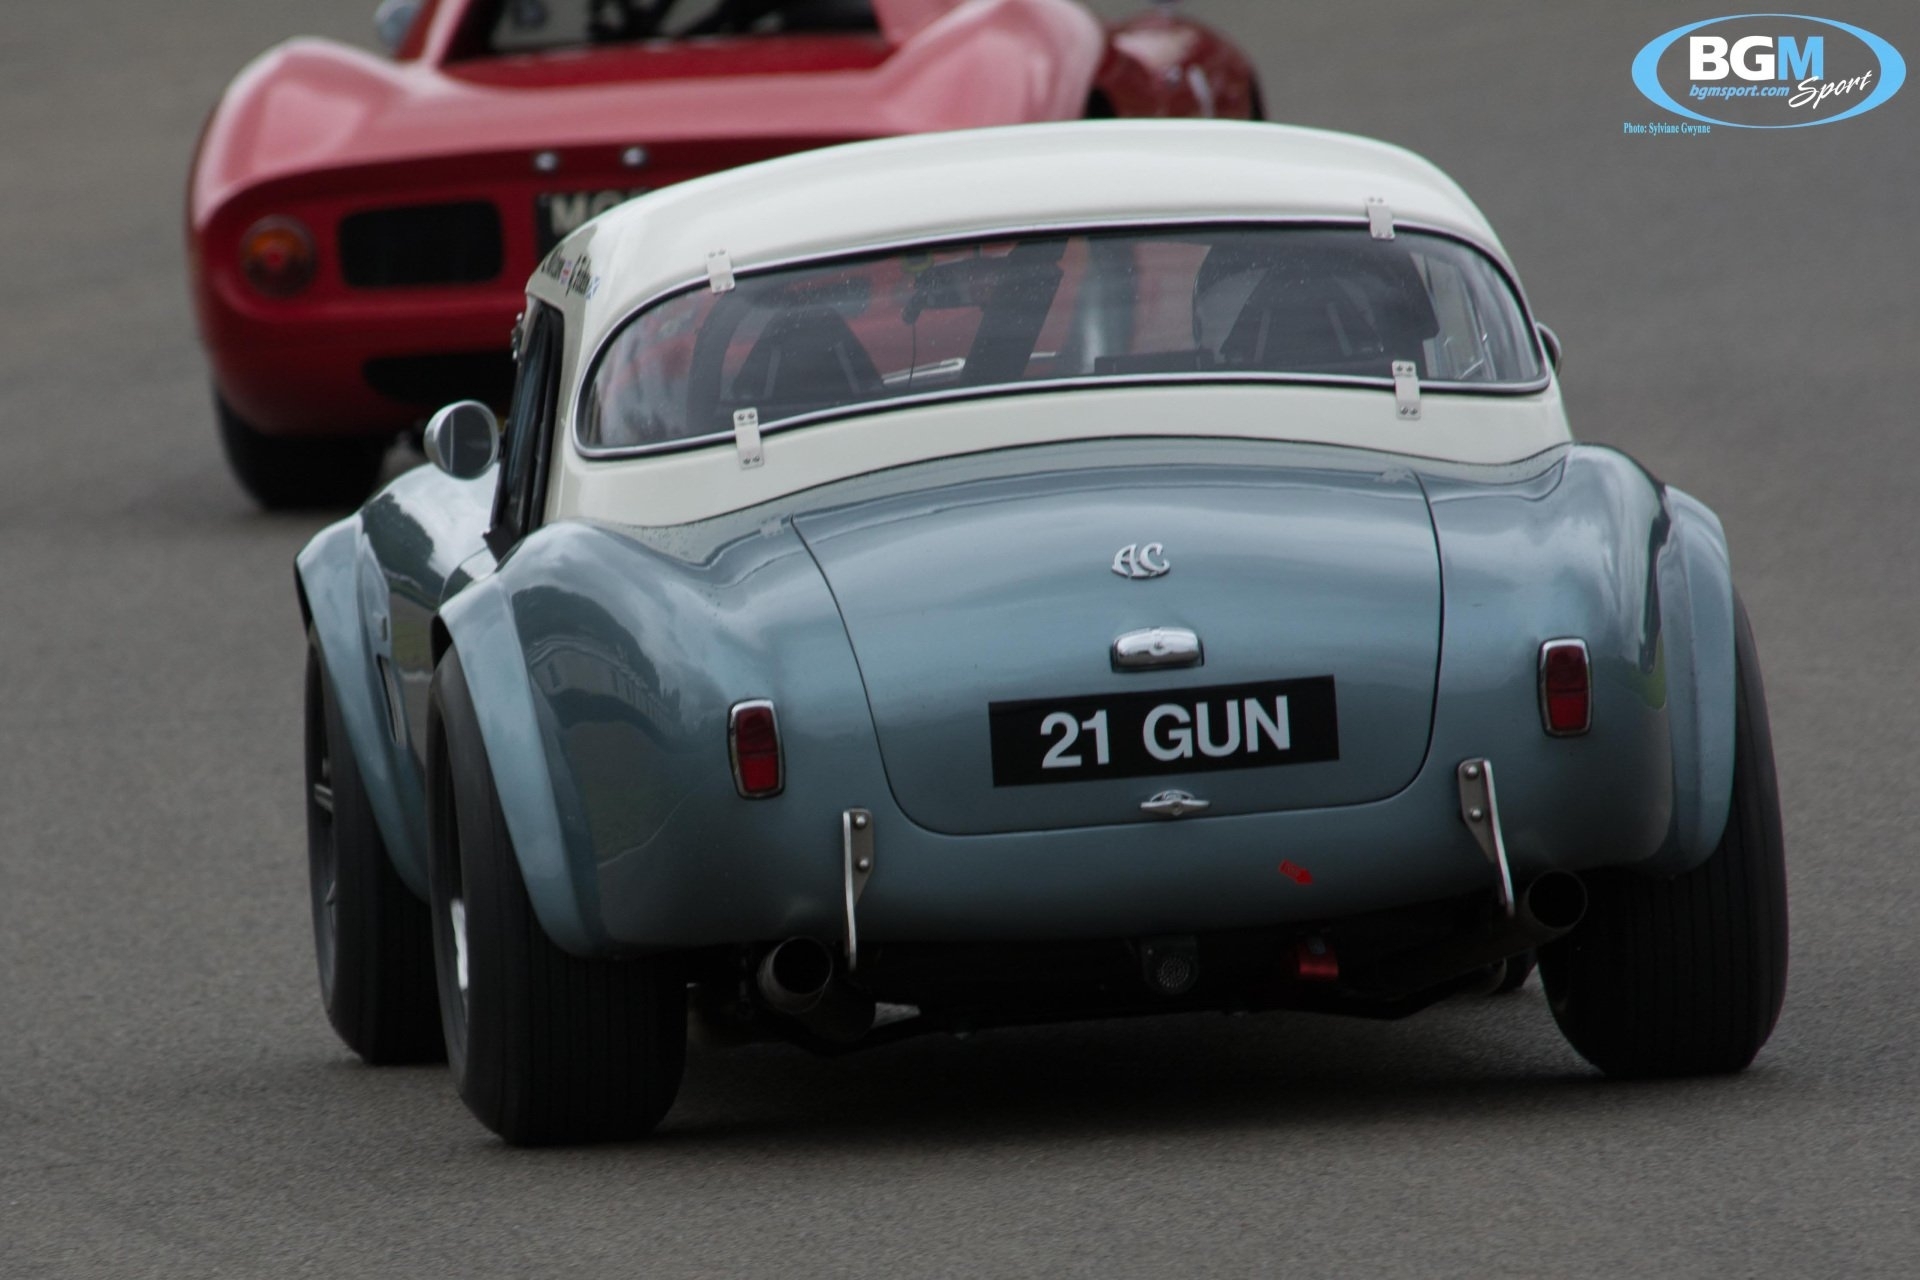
[1314, 302]
[522, 26]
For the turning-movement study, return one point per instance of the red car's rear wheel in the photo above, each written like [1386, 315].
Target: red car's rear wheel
[299, 474]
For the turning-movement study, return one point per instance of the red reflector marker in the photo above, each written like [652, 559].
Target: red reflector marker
[1566, 688]
[753, 742]
[1315, 961]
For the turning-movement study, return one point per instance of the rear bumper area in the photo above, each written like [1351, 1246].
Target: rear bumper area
[362, 366]
[1191, 875]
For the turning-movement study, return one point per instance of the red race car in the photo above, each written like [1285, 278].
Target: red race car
[360, 229]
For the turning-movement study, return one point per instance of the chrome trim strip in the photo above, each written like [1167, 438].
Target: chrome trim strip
[1038, 387]
[1480, 809]
[1488, 251]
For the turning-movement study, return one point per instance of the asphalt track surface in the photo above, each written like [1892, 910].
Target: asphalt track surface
[1739, 311]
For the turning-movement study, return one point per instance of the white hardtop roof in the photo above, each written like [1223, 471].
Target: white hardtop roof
[932, 186]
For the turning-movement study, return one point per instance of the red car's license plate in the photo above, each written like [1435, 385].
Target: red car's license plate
[557, 214]
[1131, 735]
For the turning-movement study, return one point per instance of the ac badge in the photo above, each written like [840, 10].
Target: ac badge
[1141, 561]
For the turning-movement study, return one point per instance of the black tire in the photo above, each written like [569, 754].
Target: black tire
[299, 475]
[1257, 109]
[1686, 976]
[372, 938]
[545, 1047]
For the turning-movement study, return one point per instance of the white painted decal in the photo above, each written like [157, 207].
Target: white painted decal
[1064, 724]
[1178, 743]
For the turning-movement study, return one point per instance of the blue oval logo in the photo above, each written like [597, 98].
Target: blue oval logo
[1769, 71]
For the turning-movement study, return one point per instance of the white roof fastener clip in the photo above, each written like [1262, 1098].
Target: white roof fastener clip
[1406, 389]
[719, 271]
[746, 438]
[1379, 218]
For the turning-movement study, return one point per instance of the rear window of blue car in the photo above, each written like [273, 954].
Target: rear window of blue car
[1164, 304]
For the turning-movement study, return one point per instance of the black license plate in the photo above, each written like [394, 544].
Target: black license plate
[558, 214]
[1133, 735]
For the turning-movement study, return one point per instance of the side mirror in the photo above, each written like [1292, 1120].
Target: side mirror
[392, 20]
[1551, 341]
[463, 439]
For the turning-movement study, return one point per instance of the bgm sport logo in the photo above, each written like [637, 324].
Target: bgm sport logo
[1766, 71]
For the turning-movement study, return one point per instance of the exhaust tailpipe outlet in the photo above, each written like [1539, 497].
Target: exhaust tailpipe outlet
[1548, 908]
[801, 979]
[1554, 903]
[794, 976]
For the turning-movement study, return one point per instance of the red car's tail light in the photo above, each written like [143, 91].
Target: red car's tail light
[276, 256]
[753, 741]
[1566, 687]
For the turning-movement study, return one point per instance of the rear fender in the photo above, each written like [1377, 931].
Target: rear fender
[602, 664]
[290, 110]
[329, 575]
[1570, 551]
[1696, 602]
[1597, 548]
[480, 624]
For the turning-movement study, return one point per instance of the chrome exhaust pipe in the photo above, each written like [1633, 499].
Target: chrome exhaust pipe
[1548, 908]
[1554, 903]
[800, 979]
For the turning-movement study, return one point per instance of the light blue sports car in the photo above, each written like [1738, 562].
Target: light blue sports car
[1033, 574]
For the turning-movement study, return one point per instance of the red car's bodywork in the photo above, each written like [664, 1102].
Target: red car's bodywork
[429, 184]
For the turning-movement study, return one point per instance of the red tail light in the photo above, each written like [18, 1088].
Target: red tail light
[753, 741]
[1566, 688]
[276, 256]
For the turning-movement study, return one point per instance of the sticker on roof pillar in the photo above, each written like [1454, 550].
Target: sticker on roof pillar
[573, 275]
